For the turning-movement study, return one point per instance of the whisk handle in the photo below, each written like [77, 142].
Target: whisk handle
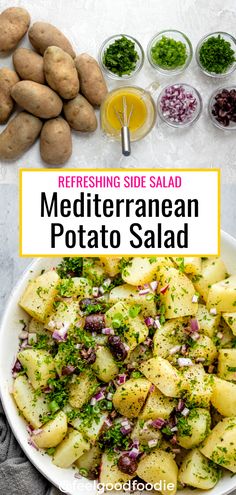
[125, 140]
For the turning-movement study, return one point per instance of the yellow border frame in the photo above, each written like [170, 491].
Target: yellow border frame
[126, 170]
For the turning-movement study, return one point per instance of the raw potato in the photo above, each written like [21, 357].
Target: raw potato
[92, 82]
[39, 295]
[19, 136]
[159, 466]
[224, 397]
[14, 23]
[32, 407]
[60, 72]
[110, 474]
[37, 99]
[8, 78]
[197, 471]
[42, 35]
[39, 366]
[56, 142]
[52, 433]
[219, 446]
[163, 375]
[80, 114]
[29, 65]
[70, 449]
[129, 398]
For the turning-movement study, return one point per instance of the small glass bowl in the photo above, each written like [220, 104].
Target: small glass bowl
[138, 48]
[178, 36]
[226, 37]
[232, 125]
[195, 115]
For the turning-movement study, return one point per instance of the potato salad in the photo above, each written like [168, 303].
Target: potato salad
[126, 369]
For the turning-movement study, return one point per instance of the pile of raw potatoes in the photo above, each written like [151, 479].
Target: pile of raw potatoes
[47, 83]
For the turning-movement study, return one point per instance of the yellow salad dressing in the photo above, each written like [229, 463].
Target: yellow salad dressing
[139, 113]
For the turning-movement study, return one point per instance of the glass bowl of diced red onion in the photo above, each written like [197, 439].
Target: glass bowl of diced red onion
[222, 108]
[179, 105]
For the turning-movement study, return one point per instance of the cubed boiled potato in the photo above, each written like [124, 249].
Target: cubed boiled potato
[64, 316]
[82, 287]
[111, 265]
[52, 433]
[191, 265]
[33, 407]
[227, 364]
[135, 332]
[203, 349]
[197, 385]
[82, 388]
[213, 270]
[39, 295]
[222, 295]
[36, 326]
[70, 449]
[169, 336]
[178, 293]
[105, 367]
[159, 466]
[39, 366]
[129, 398]
[219, 446]
[109, 472]
[144, 432]
[197, 471]
[157, 406]
[94, 271]
[142, 271]
[208, 323]
[91, 430]
[224, 397]
[194, 428]
[230, 319]
[89, 462]
[129, 294]
[163, 375]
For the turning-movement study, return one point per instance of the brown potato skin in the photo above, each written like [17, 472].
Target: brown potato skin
[92, 82]
[80, 114]
[14, 23]
[56, 142]
[60, 72]
[37, 99]
[42, 35]
[19, 135]
[8, 78]
[29, 65]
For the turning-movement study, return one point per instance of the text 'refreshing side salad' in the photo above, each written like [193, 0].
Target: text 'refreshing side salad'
[127, 369]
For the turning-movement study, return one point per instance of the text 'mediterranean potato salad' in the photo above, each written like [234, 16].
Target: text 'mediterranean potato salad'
[127, 369]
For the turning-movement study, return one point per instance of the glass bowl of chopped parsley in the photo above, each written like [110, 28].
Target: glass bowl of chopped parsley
[216, 54]
[170, 52]
[121, 56]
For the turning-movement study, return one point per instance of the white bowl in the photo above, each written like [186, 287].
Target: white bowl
[10, 327]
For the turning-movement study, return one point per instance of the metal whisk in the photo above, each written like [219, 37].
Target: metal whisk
[124, 120]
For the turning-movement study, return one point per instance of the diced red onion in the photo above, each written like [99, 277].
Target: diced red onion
[213, 311]
[78, 476]
[143, 292]
[108, 331]
[32, 444]
[68, 370]
[152, 388]
[194, 325]
[24, 345]
[174, 349]
[158, 423]
[149, 321]
[157, 323]
[152, 443]
[173, 440]
[185, 362]
[164, 289]
[32, 338]
[93, 402]
[51, 325]
[195, 298]
[108, 422]
[174, 428]
[148, 342]
[180, 405]
[125, 422]
[154, 285]
[134, 453]
[125, 430]
[37, 431]
[200, 360]
[220, 335]
[109, 396]
[47, 390]
[121, 379]
[176, 451]
[23, 335]
[99, 396]
[17, 367]
[184, 349]
[95, 291]
[185, 412]
[29, 429]
[127, 348]
[195, 336]
[60, 335]
[178, 104]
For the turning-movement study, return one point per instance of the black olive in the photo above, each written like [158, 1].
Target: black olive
[127, 465]
[117, 348]
[94, 323]
[89, 355]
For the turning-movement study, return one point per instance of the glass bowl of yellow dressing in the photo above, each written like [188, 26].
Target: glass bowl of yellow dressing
[141, 112]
